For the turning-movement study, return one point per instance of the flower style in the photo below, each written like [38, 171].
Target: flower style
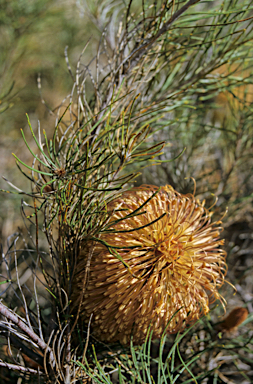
[157, 264]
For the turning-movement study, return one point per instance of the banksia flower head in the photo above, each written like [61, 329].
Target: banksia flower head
[157, 264]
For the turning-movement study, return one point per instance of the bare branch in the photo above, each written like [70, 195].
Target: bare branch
[21, 325]
[20, 368]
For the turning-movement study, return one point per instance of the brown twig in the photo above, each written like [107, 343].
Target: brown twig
[29, 331]
[19, 368]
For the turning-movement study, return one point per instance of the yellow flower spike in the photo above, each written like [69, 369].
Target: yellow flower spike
[176, 265]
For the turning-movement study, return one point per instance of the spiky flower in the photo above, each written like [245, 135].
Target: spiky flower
[157, 264]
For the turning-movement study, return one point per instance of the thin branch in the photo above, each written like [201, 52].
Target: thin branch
[19, 368]
[20, 324]
[134, 58]
[26, 350]
[140, 52]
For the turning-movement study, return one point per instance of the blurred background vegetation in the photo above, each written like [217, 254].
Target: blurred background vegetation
[34, 35]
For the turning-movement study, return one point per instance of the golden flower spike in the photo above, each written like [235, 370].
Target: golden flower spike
[171, 271]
